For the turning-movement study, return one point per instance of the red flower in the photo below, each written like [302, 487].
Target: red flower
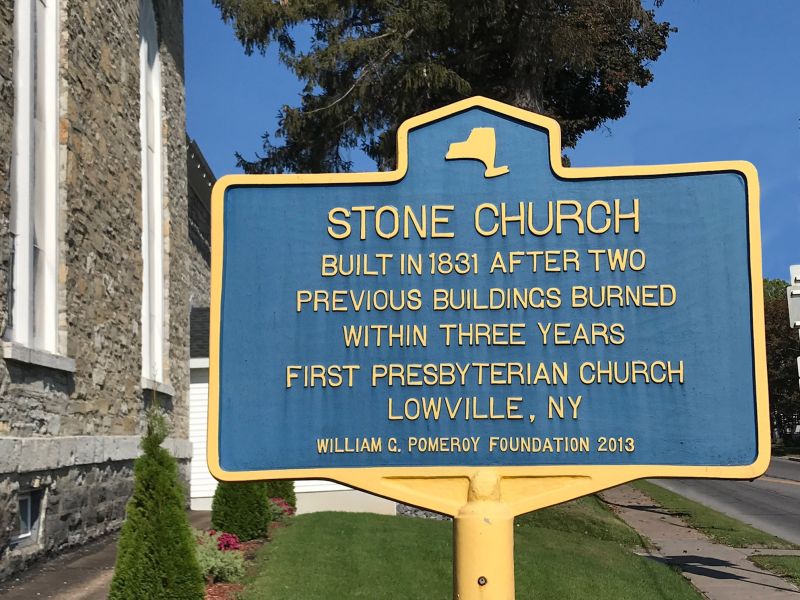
[228, 541]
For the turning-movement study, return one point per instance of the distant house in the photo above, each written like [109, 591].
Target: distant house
[100, 260]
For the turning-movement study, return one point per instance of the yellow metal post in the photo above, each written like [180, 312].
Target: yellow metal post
[483, 543]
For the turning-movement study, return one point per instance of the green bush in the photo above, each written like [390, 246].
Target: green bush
[282, 488]
[241, 508]
[155, 554]
[215, 564]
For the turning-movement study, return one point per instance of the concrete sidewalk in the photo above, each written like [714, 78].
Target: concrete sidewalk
[82, 574]
[719, 572]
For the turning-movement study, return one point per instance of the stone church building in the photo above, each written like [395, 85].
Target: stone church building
[102, 256]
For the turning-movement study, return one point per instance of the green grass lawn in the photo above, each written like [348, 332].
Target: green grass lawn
[588, 516]
[577, 550]
[719, 527]
[785, 566]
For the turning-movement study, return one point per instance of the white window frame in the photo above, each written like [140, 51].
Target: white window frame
[34, 176]
[152, 200]
[29, 533]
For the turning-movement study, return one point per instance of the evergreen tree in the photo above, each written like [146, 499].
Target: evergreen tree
[783, 348]
[241, 508]
[371, 64]
[775, 289]
[156, 551]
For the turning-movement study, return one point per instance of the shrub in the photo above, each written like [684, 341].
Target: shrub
[282, 488]
[241, 508]
[216, 563]
[156, 555]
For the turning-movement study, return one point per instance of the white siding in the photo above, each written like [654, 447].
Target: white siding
[312, 494]
[318, 485]
[202, 483]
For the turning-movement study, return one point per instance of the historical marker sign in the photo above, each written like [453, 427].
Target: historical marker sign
[483, 306]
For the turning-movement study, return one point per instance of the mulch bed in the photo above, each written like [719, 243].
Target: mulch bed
[223, 591]
[230, 591]
[251, 548]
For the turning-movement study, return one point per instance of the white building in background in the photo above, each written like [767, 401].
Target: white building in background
[313, 495]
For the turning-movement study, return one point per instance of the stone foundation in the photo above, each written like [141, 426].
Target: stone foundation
[79, 505]
[404, 510]
[81, 499]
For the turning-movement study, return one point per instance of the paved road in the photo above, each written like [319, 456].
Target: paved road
[770, 503]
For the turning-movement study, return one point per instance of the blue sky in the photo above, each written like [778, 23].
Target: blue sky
[727, 88]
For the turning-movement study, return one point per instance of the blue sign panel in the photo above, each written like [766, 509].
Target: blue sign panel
[484, 306]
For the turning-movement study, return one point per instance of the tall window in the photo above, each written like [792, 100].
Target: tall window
[152, 208]
[33, 314]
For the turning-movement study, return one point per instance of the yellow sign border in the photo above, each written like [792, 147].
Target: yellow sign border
[523, 488]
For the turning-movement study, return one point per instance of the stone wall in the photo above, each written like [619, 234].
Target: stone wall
[200, 280]
[102, 212]
[406, 510]
[35, 400]
[80, 423]
[177, 244]
[102, 207]
[81, 504]
[6, 128]
[85, 483]
[6, 125]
